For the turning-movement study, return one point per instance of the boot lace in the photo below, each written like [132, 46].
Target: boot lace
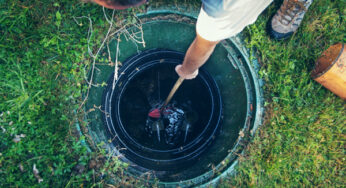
[289, 10]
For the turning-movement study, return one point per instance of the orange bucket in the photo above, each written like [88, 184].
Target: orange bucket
[330, 70]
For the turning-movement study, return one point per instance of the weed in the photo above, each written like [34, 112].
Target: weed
[43, 53]
[302, 142]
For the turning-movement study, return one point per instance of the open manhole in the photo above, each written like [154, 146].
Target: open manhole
[189, 125]
[220, 109]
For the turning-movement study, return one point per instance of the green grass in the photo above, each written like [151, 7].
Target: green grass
[42, 57]
[301, 143]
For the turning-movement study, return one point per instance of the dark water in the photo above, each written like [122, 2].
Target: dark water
[190, 108]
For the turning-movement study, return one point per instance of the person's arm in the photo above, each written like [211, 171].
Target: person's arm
[197, 54]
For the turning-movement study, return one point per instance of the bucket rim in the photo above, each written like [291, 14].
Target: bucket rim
[319, 74]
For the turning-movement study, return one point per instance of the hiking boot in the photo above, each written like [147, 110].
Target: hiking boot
[288, 18]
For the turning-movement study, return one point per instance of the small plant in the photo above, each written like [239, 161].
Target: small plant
[43, 62]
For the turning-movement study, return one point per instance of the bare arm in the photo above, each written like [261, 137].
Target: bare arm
[197, 54]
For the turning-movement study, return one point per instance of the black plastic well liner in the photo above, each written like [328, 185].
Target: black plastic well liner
[137, 153]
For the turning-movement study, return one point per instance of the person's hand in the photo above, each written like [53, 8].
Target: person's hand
[184, 74]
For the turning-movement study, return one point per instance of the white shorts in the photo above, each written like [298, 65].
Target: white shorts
[238, 17]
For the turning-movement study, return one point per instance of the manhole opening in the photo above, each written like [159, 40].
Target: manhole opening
[189, 123]
[194, 159]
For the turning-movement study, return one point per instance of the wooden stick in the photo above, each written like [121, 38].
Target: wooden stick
[174, 89]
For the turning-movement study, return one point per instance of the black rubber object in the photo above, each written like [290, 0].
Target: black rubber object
[160, 160]
[276, 35]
